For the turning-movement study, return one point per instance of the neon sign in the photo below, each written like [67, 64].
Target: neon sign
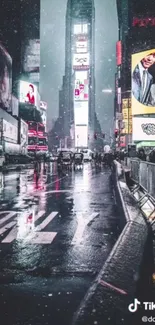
[143, 22]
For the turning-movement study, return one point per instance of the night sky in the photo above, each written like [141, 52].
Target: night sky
[52, 36]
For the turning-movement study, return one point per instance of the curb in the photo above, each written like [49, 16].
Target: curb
[107, 300]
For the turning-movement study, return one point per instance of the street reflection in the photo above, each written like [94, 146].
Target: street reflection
[25, 223]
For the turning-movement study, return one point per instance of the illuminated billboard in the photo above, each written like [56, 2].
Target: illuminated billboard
[81, 47]
[143, 86]
[81, 61]
[32, 56]
[127, 127]
[81, 136]
[143, 129]
[5, 78]
[119, 53]
[81, 113]
[81, 89]
[27, 93]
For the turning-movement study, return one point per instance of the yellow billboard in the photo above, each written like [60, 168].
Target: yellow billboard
[125, 112]
[126, 102]
[143, 86]
[127, 127]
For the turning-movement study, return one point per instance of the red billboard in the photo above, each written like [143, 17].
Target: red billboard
[143, 22]
[119, 52]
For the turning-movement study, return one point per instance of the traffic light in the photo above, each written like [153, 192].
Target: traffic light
[95, 136]
[116, 133]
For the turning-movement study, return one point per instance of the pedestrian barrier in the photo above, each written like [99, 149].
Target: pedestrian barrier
[143, 173]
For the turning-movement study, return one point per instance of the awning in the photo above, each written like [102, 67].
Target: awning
[145, 144]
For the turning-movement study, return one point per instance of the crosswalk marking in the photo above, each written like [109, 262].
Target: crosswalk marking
[82, 223]
[34, 235]
[39, 215]
[46, 221]
[8, 216]
[11, 236]
[14, 232]
[6, 227]
[41, 238]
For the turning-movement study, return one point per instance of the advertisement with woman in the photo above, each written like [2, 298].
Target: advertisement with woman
[5, 78]
[28, 93]
[143, 82]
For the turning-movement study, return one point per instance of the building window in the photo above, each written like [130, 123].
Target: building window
[84, 29]
[77, 29]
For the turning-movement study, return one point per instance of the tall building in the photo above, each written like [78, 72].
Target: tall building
[135, 54]
[77, 96]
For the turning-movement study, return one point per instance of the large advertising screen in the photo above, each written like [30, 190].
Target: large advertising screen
[143, 82]
[81, 47]
[27, 93]
[81, 89]
[14, 106]
[23, 136]
[32, 56]
[81, 136]
[81, 61]
[5, 78]
[81, 113]
[10, 132]
[143, 129]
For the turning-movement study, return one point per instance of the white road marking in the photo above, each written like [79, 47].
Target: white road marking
[57, 180]
[11, 236]
[46, 221]
[41, 238]
[82, 223]
[39, 215]
[14, 232]
[59, 191]
[6, 227]
[18, 205]
[9, 216]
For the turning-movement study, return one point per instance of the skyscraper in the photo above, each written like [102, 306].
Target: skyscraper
[77, 96]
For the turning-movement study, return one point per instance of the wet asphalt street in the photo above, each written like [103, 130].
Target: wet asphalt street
[54, 238]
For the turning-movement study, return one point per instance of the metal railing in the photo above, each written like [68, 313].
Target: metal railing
[143, 173]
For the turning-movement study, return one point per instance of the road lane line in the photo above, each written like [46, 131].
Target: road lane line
[6, 227]
[57, 180]
[9, 216]
[82, 223]
[58, 191]
[46, 221]
[106, 284]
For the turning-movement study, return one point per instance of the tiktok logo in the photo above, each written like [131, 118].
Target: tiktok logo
[134, 306]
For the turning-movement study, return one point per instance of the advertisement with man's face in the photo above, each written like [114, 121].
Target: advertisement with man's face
[27, 93]
[5, 78]
[143, 82]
